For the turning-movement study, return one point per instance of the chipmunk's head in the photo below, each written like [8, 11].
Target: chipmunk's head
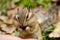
[27, 21]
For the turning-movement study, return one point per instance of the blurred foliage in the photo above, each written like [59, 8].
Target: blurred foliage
[34, 3]
[47, 32]
[5, 4]
[44, 3]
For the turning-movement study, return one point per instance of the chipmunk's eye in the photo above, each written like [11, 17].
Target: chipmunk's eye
[27, 16]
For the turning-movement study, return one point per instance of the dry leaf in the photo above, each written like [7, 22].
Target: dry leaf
[12, 13]
[56, 32]
[13, 5]
[3, 18]
[8, 29]
[10, 21]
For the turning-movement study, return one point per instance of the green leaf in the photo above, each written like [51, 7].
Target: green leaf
[17, 33]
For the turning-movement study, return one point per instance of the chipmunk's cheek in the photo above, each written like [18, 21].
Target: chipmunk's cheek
[27, 28]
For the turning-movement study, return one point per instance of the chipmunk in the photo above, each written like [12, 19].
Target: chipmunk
[30, 27]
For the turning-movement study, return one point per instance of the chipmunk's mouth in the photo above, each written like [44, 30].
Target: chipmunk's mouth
[25, 28]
